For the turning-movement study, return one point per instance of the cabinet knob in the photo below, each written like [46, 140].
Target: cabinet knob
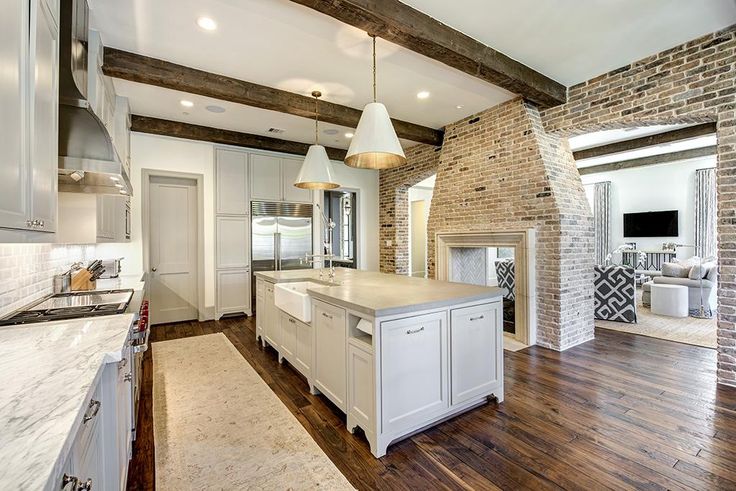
[154, 269]
[92, 410]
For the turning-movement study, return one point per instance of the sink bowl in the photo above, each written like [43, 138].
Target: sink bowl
[293, 299]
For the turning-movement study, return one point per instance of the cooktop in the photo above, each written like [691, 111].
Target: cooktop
[72, 305]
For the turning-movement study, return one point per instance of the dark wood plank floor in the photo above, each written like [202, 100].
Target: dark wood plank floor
[620, 412]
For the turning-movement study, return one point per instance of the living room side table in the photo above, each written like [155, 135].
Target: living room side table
[669, 300]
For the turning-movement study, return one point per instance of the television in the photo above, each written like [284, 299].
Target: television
[651, 224]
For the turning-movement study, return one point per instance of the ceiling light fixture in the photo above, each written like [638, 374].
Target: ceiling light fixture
[375, 144]
[423, 95]
[186, 103]
[207, 23]
[349, 135]
[316, 171]
[458, 106]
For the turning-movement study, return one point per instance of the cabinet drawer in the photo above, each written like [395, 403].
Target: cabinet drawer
[414, 370]
[475, 344]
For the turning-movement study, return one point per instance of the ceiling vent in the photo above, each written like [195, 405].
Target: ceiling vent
[276, 131]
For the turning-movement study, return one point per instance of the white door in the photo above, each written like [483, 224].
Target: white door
[173, 249]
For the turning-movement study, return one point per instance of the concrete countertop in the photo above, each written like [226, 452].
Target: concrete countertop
[47, 372]
[380, 294]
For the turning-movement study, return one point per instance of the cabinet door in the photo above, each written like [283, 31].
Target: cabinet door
[303, 360]
[260, 307]
[14, 203]
[361, 389]
[231, 175]
[413, 370]
[288, 336]
[106, 206]
[233, 291]
[44, 154]
[475, 340]
[232, 242]
[265, 177]
[271, 326]
[330, 370]
[289, 172]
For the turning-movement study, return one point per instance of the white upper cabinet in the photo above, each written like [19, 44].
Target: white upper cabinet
[121, 135]
[272, 179]
[44, 154]
[231, 175]
[265, 177]
[29, 51]
[14, 205]
[289, 172]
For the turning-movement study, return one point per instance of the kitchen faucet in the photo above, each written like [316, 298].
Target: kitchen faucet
[327, 244]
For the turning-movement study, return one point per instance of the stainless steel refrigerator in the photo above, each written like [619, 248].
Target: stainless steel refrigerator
[281, 235]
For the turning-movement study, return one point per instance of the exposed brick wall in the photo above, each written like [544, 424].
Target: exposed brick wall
[393, 202]
[692, 82]
[499, 171]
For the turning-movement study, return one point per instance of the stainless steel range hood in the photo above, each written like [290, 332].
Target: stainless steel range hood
[88, 161]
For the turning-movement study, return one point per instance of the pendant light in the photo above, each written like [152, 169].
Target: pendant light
[375, 144]
[316, 171]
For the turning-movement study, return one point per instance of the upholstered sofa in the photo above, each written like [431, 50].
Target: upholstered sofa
[693, 288]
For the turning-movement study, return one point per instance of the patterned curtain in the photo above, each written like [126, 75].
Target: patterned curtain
[705, 212]
[602, 220]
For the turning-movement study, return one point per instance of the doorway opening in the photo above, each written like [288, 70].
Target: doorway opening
[342, 207]
[420, 198]
[173, 235]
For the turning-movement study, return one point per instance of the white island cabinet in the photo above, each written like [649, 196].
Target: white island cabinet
[395, 354]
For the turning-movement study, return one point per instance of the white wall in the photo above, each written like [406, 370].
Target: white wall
[173, 154]
[653, 188]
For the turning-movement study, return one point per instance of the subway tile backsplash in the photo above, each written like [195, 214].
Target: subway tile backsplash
[26, 270]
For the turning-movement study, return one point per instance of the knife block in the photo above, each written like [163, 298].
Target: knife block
[81, 281]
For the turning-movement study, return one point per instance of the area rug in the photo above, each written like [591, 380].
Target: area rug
[217, 425]
[689, 330]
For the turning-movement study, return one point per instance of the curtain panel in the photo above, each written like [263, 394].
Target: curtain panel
[705, 212]
[602, 220]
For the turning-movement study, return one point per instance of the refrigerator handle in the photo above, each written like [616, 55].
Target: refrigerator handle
[277, 250]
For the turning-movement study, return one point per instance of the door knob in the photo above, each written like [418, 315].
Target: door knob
[153, 269]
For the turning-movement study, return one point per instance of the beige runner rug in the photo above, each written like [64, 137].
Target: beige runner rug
[217, 425]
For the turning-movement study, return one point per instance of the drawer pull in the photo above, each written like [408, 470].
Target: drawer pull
[414, 331]
[327, 315]
[92, 410]
[477, 318]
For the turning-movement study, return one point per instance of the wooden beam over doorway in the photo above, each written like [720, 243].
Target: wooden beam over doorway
[164, 127]
[653, 160]
[680, 134]
[414, 30]
[146, 70]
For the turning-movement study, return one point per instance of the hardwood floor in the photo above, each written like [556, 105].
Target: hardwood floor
[620, 412]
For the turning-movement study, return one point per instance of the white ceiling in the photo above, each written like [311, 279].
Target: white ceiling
[575, 40]
[281, 44]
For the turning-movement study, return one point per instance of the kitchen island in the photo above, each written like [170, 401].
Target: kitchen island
[396, 354]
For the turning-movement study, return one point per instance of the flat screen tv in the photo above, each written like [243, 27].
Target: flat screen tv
[651, 224]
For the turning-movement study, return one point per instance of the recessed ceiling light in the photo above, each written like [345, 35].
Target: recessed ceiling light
[422, 95]
[215, 109]
[459, 106]
[207, 23]
[186, 103]
[349, 135]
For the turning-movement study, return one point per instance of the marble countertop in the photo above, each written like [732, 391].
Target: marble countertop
[380, 294]
[123, 282]
[47, 372]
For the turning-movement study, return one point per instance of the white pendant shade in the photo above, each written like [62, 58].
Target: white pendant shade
[375, 144]
[316, 171]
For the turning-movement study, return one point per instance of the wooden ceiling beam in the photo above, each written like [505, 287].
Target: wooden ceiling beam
[146, 70]
[652, 160]
[680, 134]
[416, 31]
[164, 127]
